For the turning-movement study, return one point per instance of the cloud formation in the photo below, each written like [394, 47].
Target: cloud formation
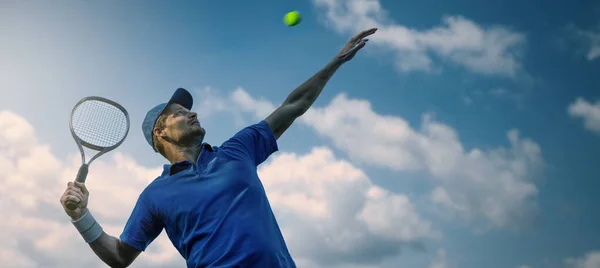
[590, 39]
[330, 211]
[494, 186]
[488, 50]
[589, 260]
[589, 112]
[332, 214]
[37, 232]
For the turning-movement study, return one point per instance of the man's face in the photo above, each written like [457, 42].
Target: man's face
[181, 126]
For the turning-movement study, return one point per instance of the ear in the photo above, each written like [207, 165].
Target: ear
[158, 132]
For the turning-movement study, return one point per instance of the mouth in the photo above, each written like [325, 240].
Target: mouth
[195, 123]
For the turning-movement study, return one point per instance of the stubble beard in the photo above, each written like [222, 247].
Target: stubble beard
[193, 137]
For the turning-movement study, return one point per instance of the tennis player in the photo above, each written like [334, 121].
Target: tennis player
[209, 199]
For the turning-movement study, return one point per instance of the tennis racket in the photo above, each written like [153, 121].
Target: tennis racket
[98, 124]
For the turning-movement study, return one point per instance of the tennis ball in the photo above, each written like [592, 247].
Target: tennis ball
[292, 18]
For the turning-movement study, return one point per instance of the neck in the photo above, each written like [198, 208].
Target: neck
[176, 153]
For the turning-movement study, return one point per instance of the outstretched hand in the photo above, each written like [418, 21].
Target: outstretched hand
[354, 45]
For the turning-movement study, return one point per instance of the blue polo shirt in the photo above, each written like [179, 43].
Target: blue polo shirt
[215, 211]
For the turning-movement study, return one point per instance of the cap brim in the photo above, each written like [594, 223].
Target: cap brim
[182, 97]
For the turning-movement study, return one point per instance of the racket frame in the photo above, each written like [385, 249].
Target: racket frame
[83, 170]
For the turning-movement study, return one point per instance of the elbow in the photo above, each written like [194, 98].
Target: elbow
[126, 263]
[118, 264]
[297, 108]
[123, 263]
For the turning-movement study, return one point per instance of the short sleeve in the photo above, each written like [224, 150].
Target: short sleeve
[142, 227]
[255, 143]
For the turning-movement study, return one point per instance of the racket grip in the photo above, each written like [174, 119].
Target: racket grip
[82, 173]
[81, 176]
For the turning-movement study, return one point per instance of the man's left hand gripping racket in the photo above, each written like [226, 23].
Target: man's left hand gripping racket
[98, 124]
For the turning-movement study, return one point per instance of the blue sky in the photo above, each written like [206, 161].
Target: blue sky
[424, 113]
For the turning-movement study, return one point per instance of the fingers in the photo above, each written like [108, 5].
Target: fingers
[78, 185]
[75, 186]
[364, 34]
[362, 43]
[75, 192]
[368, 32]
[69, 197]
[73, 198]
[84, 189]
[358, 46]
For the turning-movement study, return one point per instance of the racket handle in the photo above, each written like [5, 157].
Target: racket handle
[81, 176]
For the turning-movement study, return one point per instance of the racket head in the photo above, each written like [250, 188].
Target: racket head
[99, 123]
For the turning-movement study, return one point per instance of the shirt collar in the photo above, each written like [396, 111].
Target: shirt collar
[169, 170]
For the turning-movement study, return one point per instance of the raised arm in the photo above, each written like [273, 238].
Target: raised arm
[109, 249]
[299, 100]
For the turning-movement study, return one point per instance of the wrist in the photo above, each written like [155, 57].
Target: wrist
[336, 62]
[80, 215]
[88, 227]
[330, 68]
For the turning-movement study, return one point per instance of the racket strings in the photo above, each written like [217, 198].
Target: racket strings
[99, 123]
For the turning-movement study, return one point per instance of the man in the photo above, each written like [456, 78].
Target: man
[209, 200]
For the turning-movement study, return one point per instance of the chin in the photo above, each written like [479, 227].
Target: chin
[199, 131]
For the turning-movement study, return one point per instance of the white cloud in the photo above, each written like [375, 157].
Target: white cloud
[332, 214]
[329, 210]
[38, 233]
[591, 38]
[589, 260]
[478, 184]
[589, 112]
[259, 107]
[212, 103]
[490, 50]
[493, 184]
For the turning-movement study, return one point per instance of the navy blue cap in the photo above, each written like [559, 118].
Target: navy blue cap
[181, 97]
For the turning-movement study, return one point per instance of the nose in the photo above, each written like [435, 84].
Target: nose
[193, 115]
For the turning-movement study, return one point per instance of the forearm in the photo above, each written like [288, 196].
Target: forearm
[305, 95]
[106, 248]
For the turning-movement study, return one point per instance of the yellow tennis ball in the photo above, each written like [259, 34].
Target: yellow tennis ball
[292, 18]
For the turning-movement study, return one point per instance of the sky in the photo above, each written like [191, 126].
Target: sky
[464, 135]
